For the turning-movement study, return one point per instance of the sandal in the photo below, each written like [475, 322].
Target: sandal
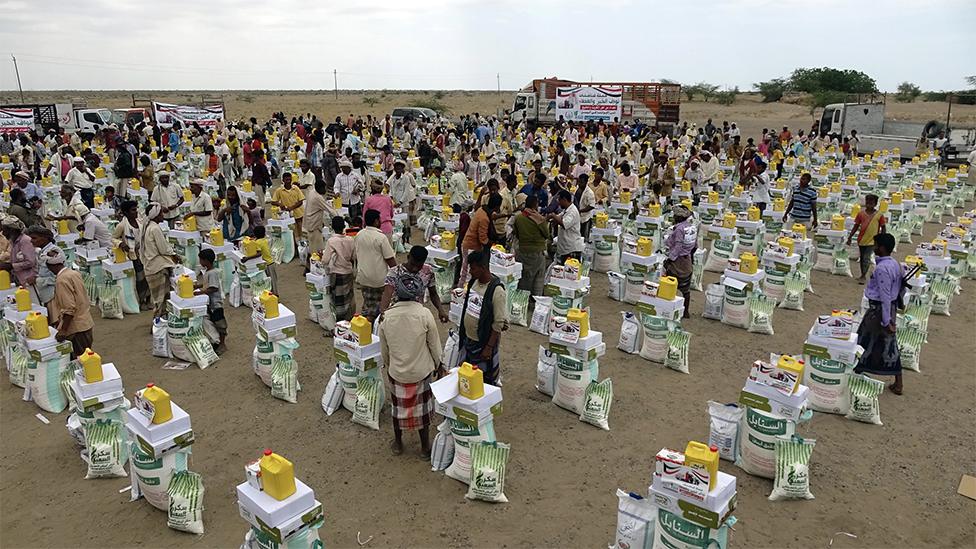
[896, 390]
[396, 448]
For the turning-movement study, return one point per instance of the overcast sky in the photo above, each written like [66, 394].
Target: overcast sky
[464, 44]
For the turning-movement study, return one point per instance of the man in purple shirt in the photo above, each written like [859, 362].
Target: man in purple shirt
[877, 331]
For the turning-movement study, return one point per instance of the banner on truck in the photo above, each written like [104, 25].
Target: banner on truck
[583, 103]
[16, 120]
[205, 116]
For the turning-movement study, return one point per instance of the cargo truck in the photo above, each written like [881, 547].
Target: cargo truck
[866, 116]
[544, 100]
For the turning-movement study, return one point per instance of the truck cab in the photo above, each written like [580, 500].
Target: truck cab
[841, 118]
[133, 116]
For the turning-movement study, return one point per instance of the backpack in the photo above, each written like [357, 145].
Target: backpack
[123, 164]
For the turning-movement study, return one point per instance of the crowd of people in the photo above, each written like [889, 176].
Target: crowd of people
[533, 191]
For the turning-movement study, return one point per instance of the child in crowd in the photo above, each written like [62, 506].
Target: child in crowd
[209, 284]
[339, 257]
[264, 252]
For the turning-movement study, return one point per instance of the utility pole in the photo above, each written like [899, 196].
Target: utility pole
[335, 80]
[498, 81]
[17, 71]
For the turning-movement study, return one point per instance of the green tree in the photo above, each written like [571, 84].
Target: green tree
[907, 92]
[703, 89]
[826, 78]
[823, 98]
[772, 90]
[971, 80]
[726, 97]
[370, 101]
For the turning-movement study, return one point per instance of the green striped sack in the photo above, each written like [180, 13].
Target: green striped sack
[864, 404]
[761, 310]
[284, 378]
[909, 346]
[794, 285]
[518, 308]
[942, 290]
[200, 348]
[369, 400]
[488, 463]
[596, 403]
[185, 511]
[792, 468]
[677, 355]
[110, 300]
[105, 456]
[153, 474]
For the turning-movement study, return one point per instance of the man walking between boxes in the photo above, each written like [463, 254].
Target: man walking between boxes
[876, 334]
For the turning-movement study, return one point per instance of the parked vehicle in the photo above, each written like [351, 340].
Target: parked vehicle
[413, 113]
[650, 102]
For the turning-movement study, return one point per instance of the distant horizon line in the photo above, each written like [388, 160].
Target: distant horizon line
[329, 91]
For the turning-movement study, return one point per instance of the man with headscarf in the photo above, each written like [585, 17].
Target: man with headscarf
[411, 347]
[23, 256]
[414, 271]
[70, 309]
[681, 246]
[403, 188]
[158, 258]
[43, 240]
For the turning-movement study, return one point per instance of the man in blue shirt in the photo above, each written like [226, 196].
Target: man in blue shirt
[803, 203]
[536, 188]
[174, 141]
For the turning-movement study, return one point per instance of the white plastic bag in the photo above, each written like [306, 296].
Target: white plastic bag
[541, 314]
[630, 333]
[546, 371]
[105, 453]
[451, 357]
[714, 300]
[616, 282]
[369, 402]
[723, 428]
[332, 397]
[442, 450]
[865, 405]
[635, 522]
[160, 338]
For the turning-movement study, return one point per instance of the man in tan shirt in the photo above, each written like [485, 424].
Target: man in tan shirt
[375, 256]
[70, 310]
[158, 258]
[411, 349]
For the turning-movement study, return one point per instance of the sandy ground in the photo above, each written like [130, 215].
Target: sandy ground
[892, 485]
[748, 112]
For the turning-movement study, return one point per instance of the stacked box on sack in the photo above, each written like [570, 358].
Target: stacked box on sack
[274, 351]
[281, 510]
[360, 366]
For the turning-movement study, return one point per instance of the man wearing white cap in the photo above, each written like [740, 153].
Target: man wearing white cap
[70, 310]
[158, 257]
[402, 187]
[81, 178]
[169, 197]
[349, 185]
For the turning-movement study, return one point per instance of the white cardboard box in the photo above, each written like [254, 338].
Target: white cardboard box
[271, 511]
[765, 398]
[282, 532]
[743, 277]
[592, 340]
[185, 238]
[842, 350]
[192, 303]
[446, 395]
[666, 308]
[712, 513]
[140, 425]
[118, 271]
[111, 383]
[358, 351]
[284, 320]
